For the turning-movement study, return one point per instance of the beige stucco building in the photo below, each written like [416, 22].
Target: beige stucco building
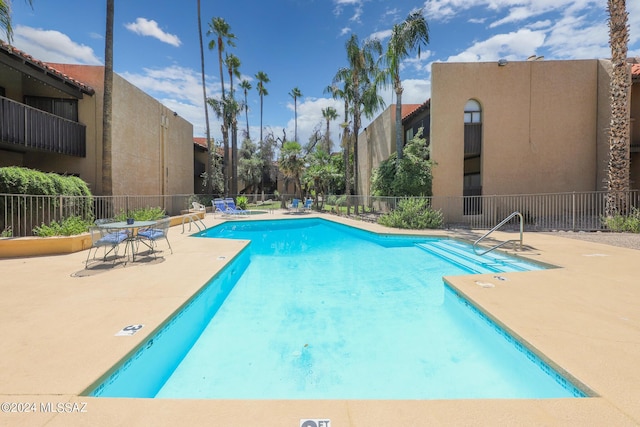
[522, 127]
[52, 121]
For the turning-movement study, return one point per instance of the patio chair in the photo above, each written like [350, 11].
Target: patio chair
[108, 239]
[198, 207]
[220, 206]
[307, 204]
[231, 204]
[150, 236]
[295, 204]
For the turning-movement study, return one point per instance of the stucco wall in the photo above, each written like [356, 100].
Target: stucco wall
[152, 149]
[538, 125]
[375, 144]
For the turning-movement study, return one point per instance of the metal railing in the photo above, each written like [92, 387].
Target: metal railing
[497, 227]
[19, 214]
[32, 128]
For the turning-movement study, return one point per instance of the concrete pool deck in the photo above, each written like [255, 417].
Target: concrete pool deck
[58, 323]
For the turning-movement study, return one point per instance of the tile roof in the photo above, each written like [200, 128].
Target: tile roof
[202, 142]
[44, 68]
[417, 108]
[635, 72]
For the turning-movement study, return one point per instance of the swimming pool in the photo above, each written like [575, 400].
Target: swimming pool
[310, 311]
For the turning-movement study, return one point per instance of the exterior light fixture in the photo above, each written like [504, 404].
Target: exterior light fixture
[502, 62]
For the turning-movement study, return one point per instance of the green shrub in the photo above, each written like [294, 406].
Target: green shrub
[70, 226]
[624, 223]
[412, 213]
[141, 214]
[242, 202]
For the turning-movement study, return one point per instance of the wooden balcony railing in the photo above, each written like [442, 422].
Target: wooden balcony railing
[32, 128]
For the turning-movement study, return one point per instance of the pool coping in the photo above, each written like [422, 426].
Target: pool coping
[59, 329]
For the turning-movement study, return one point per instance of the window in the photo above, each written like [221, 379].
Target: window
[472, 112]
[63, 107]
[472, 182]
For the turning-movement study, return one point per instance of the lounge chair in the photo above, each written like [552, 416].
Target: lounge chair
[307, 204]
[231, 204]
[220, 206]
[150, 236]
[106, 238]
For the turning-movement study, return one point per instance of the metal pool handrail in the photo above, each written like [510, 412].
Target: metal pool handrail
[503, 222]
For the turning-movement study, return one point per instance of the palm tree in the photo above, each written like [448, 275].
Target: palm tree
[343, 75]
[107, 178]
[295, 94]
[233, 67]
[221, 30]
[246, 87]
[405, 37]
[618, 168]
[329, 114]
[262, 91]
[210, 145]
[292, 164]
[365, 79]
[5, 17]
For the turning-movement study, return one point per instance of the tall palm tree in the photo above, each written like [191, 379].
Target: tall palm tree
[5, 17]
[210, 145]
[219, 28]
[262, 91]
[365, 76]
[619, 128]
[233, 67]
[107, 177]
[405, 37]
[246, 87]
[329, 114]
[295, 94]
[343, 75]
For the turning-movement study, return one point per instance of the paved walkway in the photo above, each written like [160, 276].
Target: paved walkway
[58, 323]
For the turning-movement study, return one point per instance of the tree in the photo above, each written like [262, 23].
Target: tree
[318, 175]
[365, 76]
[411, 176]
[5, 18]
[246, 87]
[250, 165]
[233, 67]
[219, 28]
[295, 94]
[405, 37]
[343, 76]
[618, 167]
[107, 178]
[329, 114]
[210, 144]
[262, 91]
[292, 164]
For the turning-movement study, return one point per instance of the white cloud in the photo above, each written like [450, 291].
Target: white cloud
[145, 27]
[53, 46]
[515, 45]
[380, 35]
[310, 117]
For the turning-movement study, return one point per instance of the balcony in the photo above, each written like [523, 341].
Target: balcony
[29, 128]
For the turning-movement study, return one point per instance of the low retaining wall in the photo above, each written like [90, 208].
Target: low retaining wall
[39, 246]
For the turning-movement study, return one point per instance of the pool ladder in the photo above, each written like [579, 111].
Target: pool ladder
[192, 219]
[503, 222]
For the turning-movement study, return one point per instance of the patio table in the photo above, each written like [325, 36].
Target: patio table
[132, 235]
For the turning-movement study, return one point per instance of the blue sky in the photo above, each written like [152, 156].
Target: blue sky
[300, 43]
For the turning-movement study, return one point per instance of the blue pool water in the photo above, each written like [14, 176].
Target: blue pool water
[317, 310]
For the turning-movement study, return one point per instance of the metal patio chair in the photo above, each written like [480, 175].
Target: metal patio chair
[150, 236]
[108, 239]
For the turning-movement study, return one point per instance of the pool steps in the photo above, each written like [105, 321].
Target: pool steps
[462, 255]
